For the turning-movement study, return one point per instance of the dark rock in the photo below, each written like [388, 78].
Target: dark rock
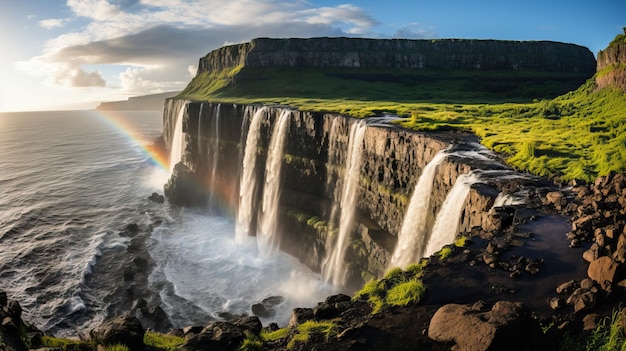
[266, 308]
[325, 311]
[508, 326]
[125, 330]
[155, 197]
[215, 336]
[299, 315]
[555, 303]
[250, 323]
[590, 321]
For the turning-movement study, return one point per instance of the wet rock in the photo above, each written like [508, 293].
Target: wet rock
[124, 330]
[250, 323]
[266, 308]
[567, 287]
[155, 197]
[507, 326]
[582, 300]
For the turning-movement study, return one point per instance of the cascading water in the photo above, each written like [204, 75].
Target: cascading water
[418, 219]
[446, 225]
[247, 184]
[178, 141]
[333, 269]
[333, 146]
[215, 146]
[200, 139]
[266, 237]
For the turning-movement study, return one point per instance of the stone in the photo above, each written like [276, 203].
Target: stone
[590, 321]
[556, 199]
[250, 323]
[566, 288]
[586, 283]
[299, 315]
[125, 330]
[603, 271]
[555, 303]
[620, 250]
[325, 311]
[155, 197]
[585, 302]
[592, 254]
[507, 326]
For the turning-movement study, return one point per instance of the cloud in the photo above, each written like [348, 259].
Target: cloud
[96, 9]
[77, 77]
[53, 23]
[156, 44]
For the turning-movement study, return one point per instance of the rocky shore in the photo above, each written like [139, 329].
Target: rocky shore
[550, 269]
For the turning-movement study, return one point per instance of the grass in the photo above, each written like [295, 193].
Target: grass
[548, 124]
[609, 335]
[308, 329]
[397, 288]
[272, 336]
[66, 344]
[162, 341]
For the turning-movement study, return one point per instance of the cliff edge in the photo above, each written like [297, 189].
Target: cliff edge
[392, 70]
[612, 64]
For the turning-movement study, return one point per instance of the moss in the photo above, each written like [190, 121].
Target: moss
[407, 293]
[162, 341]
[445, 253]
[251, 343]
[65, 344]
[117, 347]
[272, 336]
[461, 241]
[306, 330]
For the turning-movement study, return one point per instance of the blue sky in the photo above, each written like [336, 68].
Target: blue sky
[72, 54]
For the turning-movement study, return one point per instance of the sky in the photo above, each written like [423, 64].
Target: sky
[73, 54]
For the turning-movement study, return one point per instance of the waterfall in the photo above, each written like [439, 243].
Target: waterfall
[447, 223]
[333, 268]
[418, 218]
[178, 141]
[215, 146]
[247, 183]
[266, 236]
[200, 130]
[333, 147]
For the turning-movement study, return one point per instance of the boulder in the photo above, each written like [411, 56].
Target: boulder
[155, 197]
[299, 315]
[603, 271]
[125, 330]
[215, 336]
[507, 326]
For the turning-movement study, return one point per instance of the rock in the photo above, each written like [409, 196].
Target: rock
[620, 251]
[125, 330]
[265, 309]
[556, 199]
[582, 300]
[566, 288]
[592, 254]
[555, 303]
[603, 271]
[507, 326]
[250, 323]
[155, 197]
[590, 321]
[299, 315]
[583, 223]
[325, 311]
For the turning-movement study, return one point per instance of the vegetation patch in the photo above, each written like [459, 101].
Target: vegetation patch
[162, 341]
[397, 288]
[309, 329]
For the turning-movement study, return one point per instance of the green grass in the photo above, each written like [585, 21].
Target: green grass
[570, 134]
[162, 341]
[609, 335]
[65, 344]
[117, 347]
[397, 288]
[272, 336]
[306, 330]
[445, 253]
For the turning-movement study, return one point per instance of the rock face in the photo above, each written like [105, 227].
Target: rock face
[313, 165]
[124, 330]
[402, 54]
[507, 326]
[611, 64]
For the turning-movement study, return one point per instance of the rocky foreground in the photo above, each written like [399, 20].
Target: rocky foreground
[545, 273]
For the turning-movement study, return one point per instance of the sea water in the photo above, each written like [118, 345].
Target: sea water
[72, 181]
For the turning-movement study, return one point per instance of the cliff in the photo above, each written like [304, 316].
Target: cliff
[611, 70]
[315, 160]
[146, 102]
[396, 70]
[447, 54]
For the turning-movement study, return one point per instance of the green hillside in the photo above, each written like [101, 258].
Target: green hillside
[551, 124]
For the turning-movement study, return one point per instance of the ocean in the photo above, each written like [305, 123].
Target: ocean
[73, 182]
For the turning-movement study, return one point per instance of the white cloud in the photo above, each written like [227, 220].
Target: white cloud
[162, 40]
[52, 23]
[75, 76]
[96, 9]
[415, 31]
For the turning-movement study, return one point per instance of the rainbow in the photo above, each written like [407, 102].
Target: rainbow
[221, 191]
[158, 156]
